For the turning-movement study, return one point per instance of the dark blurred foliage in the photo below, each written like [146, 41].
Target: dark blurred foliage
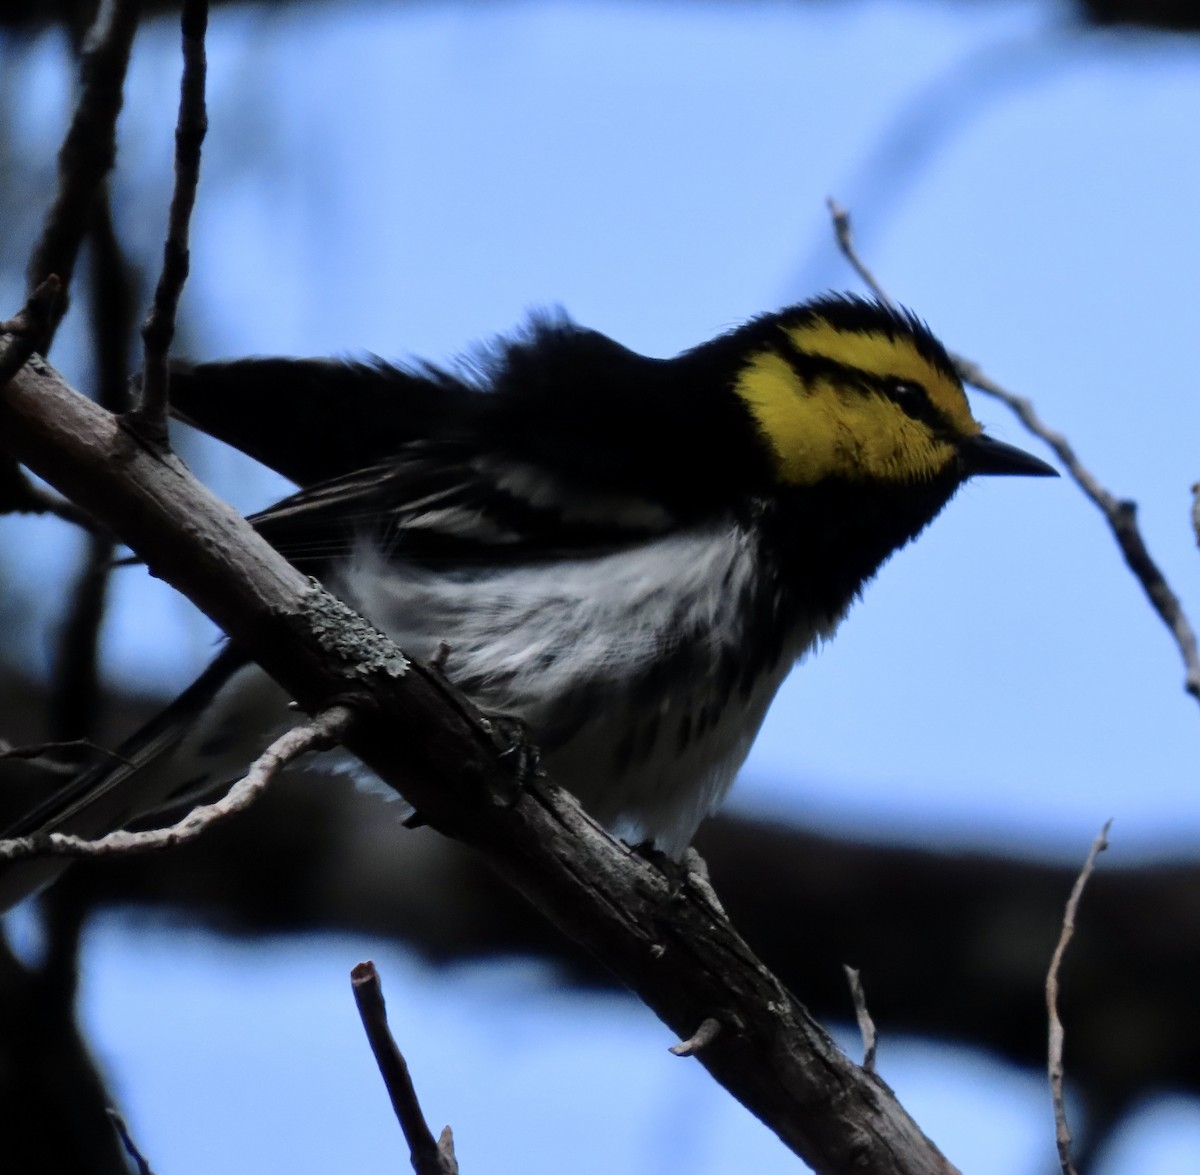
[33, 15]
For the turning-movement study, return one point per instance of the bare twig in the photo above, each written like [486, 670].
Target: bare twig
[704, 1035]
[88, 151]
[318, 734]
[1062, 1132]
[131, 1149]
[1119, 513]
[429, 1157]
[866, 1026]
[845, 240]
[159, 329]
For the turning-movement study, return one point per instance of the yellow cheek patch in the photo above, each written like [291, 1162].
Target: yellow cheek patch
[819, 430]
[880, 354]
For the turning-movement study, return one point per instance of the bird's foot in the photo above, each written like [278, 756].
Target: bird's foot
[511, 737]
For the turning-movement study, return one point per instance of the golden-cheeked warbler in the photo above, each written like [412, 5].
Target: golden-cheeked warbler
[626, 554]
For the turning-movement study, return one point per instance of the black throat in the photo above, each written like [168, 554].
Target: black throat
[829, 540]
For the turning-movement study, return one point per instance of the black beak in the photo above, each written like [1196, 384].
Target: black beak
[982, 455]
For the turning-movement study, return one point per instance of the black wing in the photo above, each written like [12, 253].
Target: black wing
[558, 442]
[448, 504]
[315, 419]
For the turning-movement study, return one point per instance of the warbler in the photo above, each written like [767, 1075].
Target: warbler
[626, 554]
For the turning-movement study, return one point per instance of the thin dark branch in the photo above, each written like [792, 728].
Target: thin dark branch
[131, 1149]
[75, 702]
[866, 1026]
[428, 1156]
[1119, 513]
[1062, 1132]
[320, 733]
[112, 305]
[75, 673]
[88, 151]
[159, 328]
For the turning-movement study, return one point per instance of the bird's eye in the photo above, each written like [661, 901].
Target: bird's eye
[905, 391]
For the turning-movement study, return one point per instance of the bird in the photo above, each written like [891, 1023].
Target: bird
[624, 554]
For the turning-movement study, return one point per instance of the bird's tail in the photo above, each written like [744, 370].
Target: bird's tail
[203, 740]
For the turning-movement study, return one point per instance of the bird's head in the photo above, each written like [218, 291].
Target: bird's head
[850, 390]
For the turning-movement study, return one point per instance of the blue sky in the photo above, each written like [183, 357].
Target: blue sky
[408, 182]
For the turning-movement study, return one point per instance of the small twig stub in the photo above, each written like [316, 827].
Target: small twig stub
[866, 1026]
[709, 1029]
[429, 1156]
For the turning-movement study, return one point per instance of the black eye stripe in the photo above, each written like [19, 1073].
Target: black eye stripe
[909, 395]
[810, 367]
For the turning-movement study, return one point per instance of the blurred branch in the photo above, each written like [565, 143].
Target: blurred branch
[19, 495]
[429, 1156]
[76, 696]
[53, 1096]
[150, 415]
[87, 153]
[1062, 1131]
[1120, 514]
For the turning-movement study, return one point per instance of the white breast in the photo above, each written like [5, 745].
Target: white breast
[620, 664]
